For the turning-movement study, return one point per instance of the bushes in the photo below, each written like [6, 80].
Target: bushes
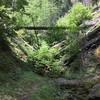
[44, 60]
[74, 18]
[72, 21]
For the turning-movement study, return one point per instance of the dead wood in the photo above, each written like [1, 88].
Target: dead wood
[87, 82]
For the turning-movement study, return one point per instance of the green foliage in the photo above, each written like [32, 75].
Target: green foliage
[44, 60]
[37, 12]
[72, 21]
[54, 36]
[63, 5]
[75, 17]
[14, 4]
[6, 21]
[13, 9]
[2, 8]
[30, 86]
[45, 92]
[20, 18]
[45, 52]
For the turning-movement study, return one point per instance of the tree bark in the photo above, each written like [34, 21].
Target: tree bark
[78, 83]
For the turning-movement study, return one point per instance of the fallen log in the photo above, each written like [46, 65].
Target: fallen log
[92, 33]
[87, 82]
[40, 28]
[91, 45]
[67, 62]
[93, 41]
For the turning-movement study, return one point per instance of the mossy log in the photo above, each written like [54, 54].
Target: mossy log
[87, 82]
[92, 41]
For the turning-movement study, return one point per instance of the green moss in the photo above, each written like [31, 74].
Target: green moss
[45, 92]
[31, 85]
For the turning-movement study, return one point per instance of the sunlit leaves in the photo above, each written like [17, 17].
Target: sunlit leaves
[74, 18]
[42, 11]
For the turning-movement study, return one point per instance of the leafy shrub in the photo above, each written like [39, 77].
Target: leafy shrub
[72, 21]
[74, 18]
[44, 60]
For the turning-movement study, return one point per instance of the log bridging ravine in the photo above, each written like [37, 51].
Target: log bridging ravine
[39, 28]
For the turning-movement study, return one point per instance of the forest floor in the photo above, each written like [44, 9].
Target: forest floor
[29, 86]
[19, 84]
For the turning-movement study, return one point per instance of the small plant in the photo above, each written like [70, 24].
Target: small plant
[44, 60]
